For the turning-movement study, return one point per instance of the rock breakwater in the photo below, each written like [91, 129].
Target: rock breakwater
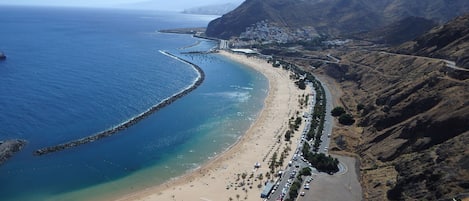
[134, 120]
[9, 147]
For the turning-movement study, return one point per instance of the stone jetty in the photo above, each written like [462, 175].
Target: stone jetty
[132, 121]
[9, 147]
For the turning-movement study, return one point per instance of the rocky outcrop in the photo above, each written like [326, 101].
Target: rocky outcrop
[9, 147]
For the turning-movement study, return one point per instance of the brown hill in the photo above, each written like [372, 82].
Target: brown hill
[352, 15]
[415, 133]
[414, 122]
[400, 31]
[336, 17]
[449, 41]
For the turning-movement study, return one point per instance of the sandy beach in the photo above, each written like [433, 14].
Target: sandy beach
[220, 178]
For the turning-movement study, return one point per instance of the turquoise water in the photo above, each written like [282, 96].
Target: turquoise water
[71, 73]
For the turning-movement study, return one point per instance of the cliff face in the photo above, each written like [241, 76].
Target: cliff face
[336, 17]
[415, 131]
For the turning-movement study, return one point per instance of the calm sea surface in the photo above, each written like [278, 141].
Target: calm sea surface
[71, 73]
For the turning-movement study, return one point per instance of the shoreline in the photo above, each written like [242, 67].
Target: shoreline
[132, 121]
[211, 181]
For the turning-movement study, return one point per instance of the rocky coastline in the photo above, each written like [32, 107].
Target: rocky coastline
[133, 121]
[9, 147]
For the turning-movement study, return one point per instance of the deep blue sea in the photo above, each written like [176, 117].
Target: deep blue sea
[71, 73]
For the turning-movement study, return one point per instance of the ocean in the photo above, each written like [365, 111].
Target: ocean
[71, 73]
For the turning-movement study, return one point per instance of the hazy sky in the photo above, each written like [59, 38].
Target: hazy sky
[159, 4]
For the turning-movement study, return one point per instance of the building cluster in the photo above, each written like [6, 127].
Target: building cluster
[266, 33]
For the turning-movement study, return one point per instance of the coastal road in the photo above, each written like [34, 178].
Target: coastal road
[283, 185]
[333, 58]
[328, 121]
[345, 183]
[449, 64]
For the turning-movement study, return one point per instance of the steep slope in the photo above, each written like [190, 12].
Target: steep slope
[415, 120]
[327, 16]
[400, 31]
[415, 132]
[336, 17]
[437, 10]
[449, 41]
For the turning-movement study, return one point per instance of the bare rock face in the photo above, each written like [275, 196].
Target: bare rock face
[9, 147]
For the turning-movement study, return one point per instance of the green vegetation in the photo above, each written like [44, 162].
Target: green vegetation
[295, 187]
[322, 162]
[360, 107]
[305, 171]
[301, 84]
[337, 111]
[346, 119]
[288, 135]
[295, 123]
[272, 163]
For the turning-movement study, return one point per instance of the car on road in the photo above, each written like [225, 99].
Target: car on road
[302, 193]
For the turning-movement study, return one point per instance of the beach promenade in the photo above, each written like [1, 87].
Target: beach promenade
[219, 179]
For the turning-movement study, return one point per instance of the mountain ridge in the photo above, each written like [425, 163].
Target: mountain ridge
[415, 108]
[332, 17]
[449, 41]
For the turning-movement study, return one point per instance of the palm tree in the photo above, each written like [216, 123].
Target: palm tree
[267, 175]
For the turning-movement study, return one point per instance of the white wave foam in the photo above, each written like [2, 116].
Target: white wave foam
[240, 87]
[233, 95]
